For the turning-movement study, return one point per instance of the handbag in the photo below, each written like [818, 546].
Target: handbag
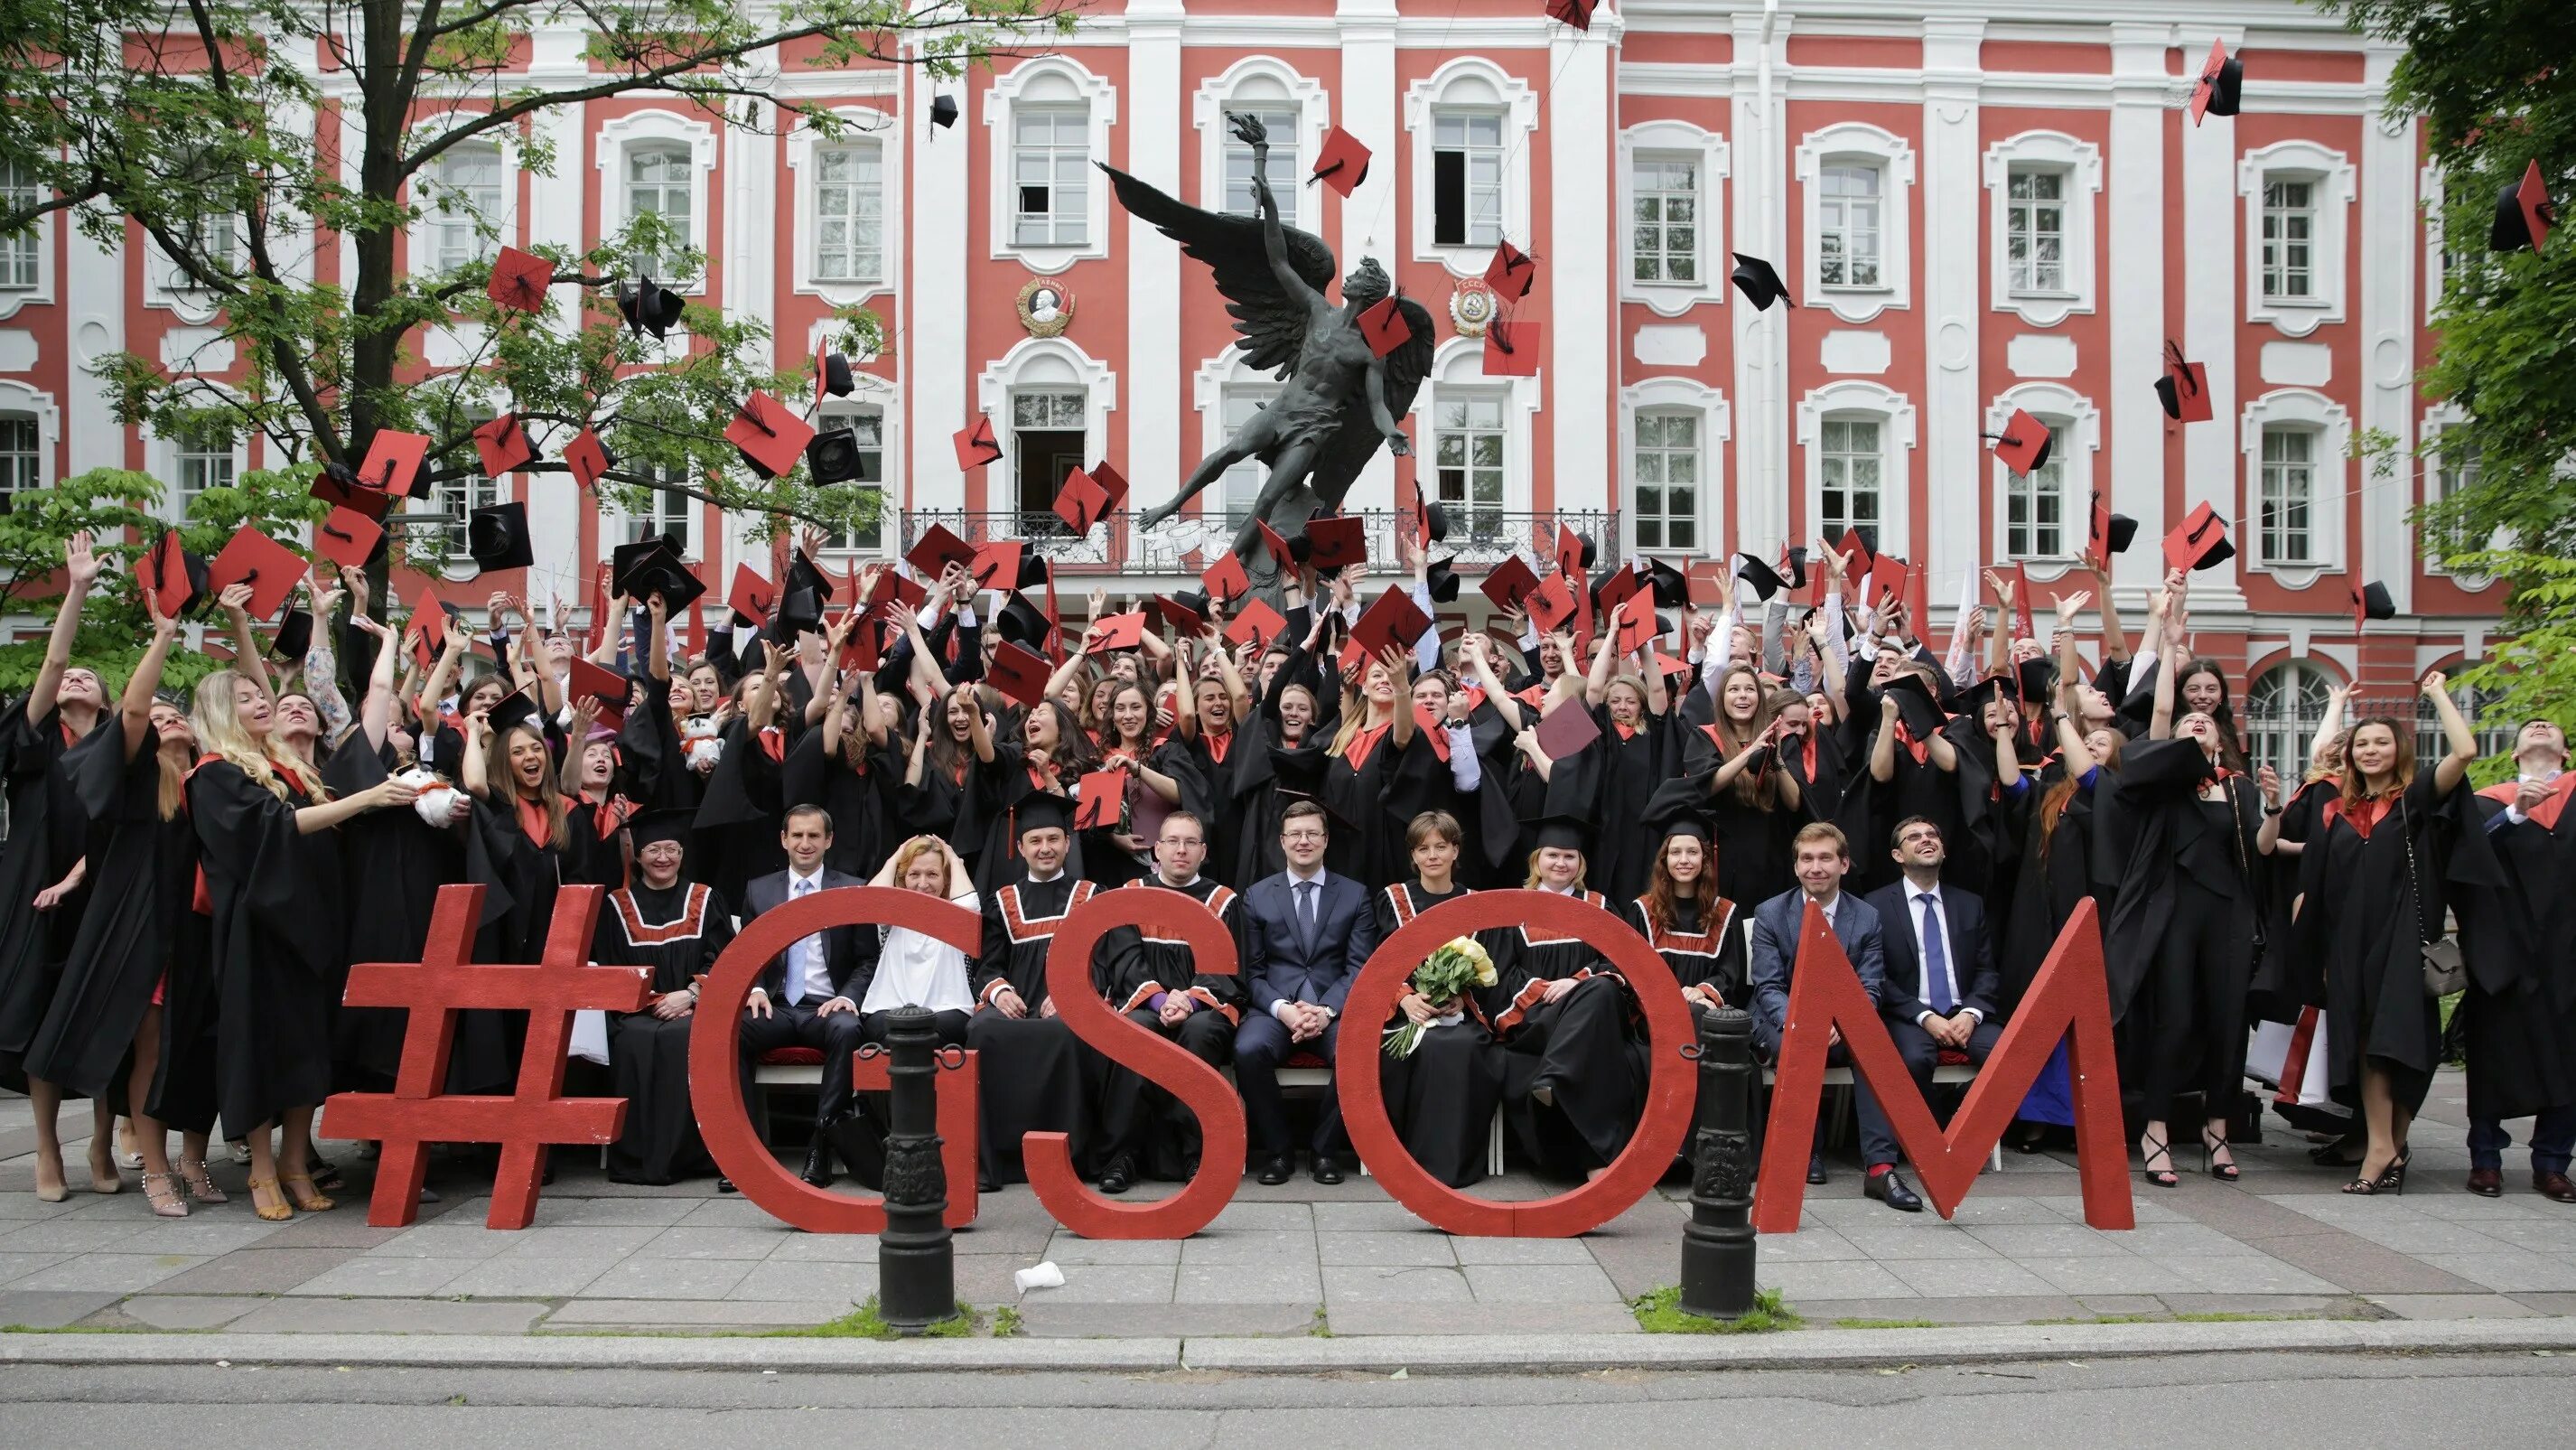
[2445, 971]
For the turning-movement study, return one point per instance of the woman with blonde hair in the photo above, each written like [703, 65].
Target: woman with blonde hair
[914, 969]
[272, 870]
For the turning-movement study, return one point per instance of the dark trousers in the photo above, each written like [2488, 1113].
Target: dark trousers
[1922, 1054]
[2553, 1140]
[1139, 1119]
[837, 1036]
[1260, 1045]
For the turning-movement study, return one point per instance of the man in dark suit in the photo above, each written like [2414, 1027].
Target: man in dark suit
[809, 995]
[1941, 984]
[1307, 933]
[1823, 859]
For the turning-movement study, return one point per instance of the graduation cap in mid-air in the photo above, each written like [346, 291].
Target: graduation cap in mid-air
[496, 537]
[2221, 86]
[519, 280]
[2024, 444]
[176, 576]
[943, 110]
[2371, 601]
[1342, 163]
[392, 464]
[348, 538]
[587, 457]
[649, 307]
[2524, 214]
[1759, 282]
[1512, 272]
[2199, 541]
[269, 567]
[2184, 388]
[2107, 533]
[768, 435]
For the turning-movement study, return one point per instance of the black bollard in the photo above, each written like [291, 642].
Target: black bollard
[916, 1266]
[1718, 1243]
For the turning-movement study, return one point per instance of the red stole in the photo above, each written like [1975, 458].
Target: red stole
[1357, 752]
[2551, 807]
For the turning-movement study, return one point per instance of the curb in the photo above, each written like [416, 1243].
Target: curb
[1418, 1354]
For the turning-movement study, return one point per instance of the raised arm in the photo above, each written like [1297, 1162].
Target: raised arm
[82, 567]
[134, 708]
[376, 711]
[1274, 238]
[2448, 771]
[2160, 724]
[2115, 644]
[2330, 724]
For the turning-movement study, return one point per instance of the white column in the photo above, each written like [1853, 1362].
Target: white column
[1367, 106]
[2211, 215]
[2389, 248]
[94, 295]
[1155, 126]
[1759, 160]
[931, 358]
[555, 505]
[1953, 472]
[2134, 295]
[1580, 367]
[748, 170]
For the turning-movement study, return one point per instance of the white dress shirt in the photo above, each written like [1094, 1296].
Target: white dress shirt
[809, 978]
[921, 971]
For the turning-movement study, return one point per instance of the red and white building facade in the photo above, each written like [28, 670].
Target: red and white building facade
[1977, 208]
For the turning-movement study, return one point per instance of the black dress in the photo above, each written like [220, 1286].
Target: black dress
[741, 811]
[1133, 972]
[1610, 782]
[1033, 1074]
[678, 933]
[864, 827]
[276, 934]
[1576, 1048]
[1751, 838]
[520, 876]
[2519, 1014]
[121, 944]
[988, 816]
[1372, 789]
[1441, 1096]
[2055, 876]
[394, 863]
[47, 831]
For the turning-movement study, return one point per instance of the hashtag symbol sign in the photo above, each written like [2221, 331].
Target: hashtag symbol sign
[433, 990]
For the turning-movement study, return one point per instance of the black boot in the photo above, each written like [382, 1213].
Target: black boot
[818, 1161]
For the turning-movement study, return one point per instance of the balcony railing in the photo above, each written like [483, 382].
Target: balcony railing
[1479, 539]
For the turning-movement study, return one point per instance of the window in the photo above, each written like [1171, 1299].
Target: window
[1051, 175]
[214, 240]
[1848, 219]
[1048, 438]
[1664, 205]
[1284, 123]
[661, 181]
[2282, 712]
[1468, 451]
[2431, 744]
[2287, 528]
[869, 424]
[22, 458]
[1853, 464]
[2035, 230]
[204, 459]
[849, 214]
[457, 497]
[1666, 502]
[2035, 506]
[21, 253]
[1466, 178]
[464, 206]
[2289, 237]
[2456, 470]
[1240, 487]
[664, 512]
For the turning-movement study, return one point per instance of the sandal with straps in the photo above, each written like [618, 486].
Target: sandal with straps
[161, 1190]
[278, 1214]
[2163, 1177]
[201, 1183]
[309, 1199]
[2211, 1145]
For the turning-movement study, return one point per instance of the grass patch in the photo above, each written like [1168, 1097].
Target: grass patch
[1006, 1321]
[1322, 1328]
[89, 1329]
[1659, 1311]
[1885, 1324]
[866, 1322]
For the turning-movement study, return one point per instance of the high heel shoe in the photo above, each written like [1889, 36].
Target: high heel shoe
[2163, 1177]
[307, 1199]
[2391, 1180]
[168, 1202]
[278, 1214]
[2211, 1145]
[201, 1183]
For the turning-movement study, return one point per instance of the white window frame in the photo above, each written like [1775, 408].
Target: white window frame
[873, 402]
[1655, 140]
[164, 287]
[2075, 425]
[1266, 82]
[19, 400]
[1046, 81]
[421, 238]
[2333, 465]
[647, 127]
[1852, 398]
[1460, 365]
[1471, 83]
[41, 291]
[1716, 430]
[166, 450]
[1040, 364]
[2438, 419]
[863, 125]
[2331, 177]
[2080, 163]
[1217, 380]
[690, 514]
[1855, 143]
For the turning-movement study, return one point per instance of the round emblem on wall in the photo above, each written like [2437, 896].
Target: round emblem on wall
[1472, 305]
[1046, 308]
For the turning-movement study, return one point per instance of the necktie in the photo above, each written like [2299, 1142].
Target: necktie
[803, 888]
[1306, 915]
[1936, 961]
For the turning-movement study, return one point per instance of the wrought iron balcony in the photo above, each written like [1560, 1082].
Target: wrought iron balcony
[1479, 539]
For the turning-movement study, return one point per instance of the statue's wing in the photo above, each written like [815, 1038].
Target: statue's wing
[1353, 444]
[1273, 324]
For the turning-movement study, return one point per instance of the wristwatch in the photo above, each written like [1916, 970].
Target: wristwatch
[2271, 810]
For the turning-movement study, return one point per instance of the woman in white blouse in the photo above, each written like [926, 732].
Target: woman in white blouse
[918, 970]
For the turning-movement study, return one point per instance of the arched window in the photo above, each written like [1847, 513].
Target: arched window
[662, 181]
[2281, 715]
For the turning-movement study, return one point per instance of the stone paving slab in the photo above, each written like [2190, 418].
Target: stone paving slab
[389, 1317]
[667, 1316]
[51, 1309]
[1056, 1320]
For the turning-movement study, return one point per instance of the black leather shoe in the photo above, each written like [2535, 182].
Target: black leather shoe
[1326, 1169]
[725, 1185]
[1119, 1176]
[1815, 1168]
[1889, 1188]
[1279, 1169]
[818, 1166]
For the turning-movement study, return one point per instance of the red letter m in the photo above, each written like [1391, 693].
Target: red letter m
[2067, 999]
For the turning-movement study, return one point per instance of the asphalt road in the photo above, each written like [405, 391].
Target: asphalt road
[2346, 1401]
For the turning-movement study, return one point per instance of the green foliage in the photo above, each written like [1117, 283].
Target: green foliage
[2530, 672]
[867, 1322]
[1006, 1321]
[1659, 1311]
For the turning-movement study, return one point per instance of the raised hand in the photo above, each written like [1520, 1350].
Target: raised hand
[81, 561]
[235, 598]
[1248, 129]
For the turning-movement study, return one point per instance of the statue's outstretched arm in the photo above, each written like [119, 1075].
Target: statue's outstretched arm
[1274, 239]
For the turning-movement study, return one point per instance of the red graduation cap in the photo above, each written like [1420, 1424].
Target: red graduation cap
[1225, 579]
[1343, 163]
[393, 460]
[1567, 730]
[1510, 582]
[267, 566]
[339, 488]
[606, 686]
[1256, 621]
[2200, 542]
[1916, 586]
[347, 538]
[2184, 389]
[169, 571]
[1019, 673]
[587, 457]
[997, 564]
[2220, 86]
[504, 445]
[1577, 13]
[936, 550]
[1336, 541]
[2023, 445]
[1887, 576]
[1856, 547]
[768, 434]
[1616, 587]
[1118, 631]
[1393, 620]
[1637, 630]
[432, 615]
[750, 596]
[976, 445]
[1571, 549]
[1097, 803]
[2021, 602]
[519, 280]
[1081, 501]
[1276, 544]
[2524, 214]
[1512, 348]
[865, 650]
[1177, 611]
[1551, 604]
[895, 591]
[1111, 481]
[1384, 326]
[1512, 271]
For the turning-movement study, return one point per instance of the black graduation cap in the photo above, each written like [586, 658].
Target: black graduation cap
[1440, 576]
[802, 573]
[831, 375]
[1042, 810]
[294, 636]
[1675, 810]
[1672, 589]
[2108, 533]
[2524, 213]
[1020, 622]
[649, 307]
[653, 567]
[1759, 283]
[670, 823]
[1565, 833]
[2221, 87]
[1766, 581]
[2371, 601]
[834, 456]
[2036, 678]
[497, 537]
[515, 709]
[943, 110]
[1915, 706]
[1971, 702]
[798, 612]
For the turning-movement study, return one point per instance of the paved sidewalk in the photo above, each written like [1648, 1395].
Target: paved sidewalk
[1297, 1260]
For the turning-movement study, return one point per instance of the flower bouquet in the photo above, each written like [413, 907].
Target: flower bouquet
[1461, 964]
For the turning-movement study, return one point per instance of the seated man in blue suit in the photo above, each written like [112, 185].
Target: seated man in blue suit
[1823, 859]
[1941, 979]
[1307, 932]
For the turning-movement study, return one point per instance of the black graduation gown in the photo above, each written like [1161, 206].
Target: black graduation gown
[1373, 790]
[1212, 756]
[394, 863]
[1577, 1047]
[47, 831]
[1698, 953]
[2053, 875]
[1820, 778]
[2284, 983]
[863, 831]
[678, 933]
[1130, 970]
[1609, 782]
[1441, 1096]
[932, 807]
[740, 815]
[2519, 1014]
[2363, 921]
[520, 879]
[277, 933]
[1140, 811]
[988, 816]
[1268, 776]
[1033, 1074]
[120, 944]
[1753, 841]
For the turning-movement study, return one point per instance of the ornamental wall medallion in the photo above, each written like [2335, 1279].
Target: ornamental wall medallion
[1046, 308]
[1472, 305]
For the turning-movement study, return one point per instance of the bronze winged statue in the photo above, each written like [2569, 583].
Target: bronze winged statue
[1340, 402]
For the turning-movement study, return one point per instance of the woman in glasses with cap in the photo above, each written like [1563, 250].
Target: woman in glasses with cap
[1571, 1087]
[677, 928]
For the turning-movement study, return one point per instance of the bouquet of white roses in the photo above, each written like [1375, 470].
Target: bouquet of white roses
[1461, 964]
